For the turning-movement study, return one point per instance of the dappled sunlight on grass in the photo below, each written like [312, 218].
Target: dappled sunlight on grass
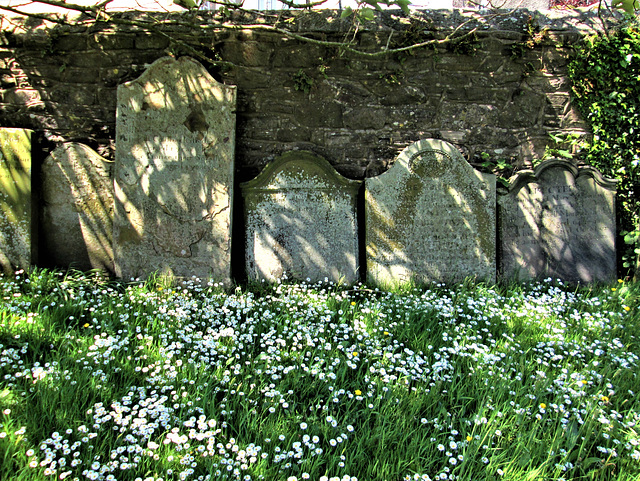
[139, 381]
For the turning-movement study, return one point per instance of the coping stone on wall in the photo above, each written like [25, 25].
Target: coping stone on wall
[175, 140]
[558, 221]
[430, 218]
[300, 221]
[16, 229]
[77, 218]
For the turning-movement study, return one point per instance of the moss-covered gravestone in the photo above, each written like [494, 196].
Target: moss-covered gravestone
[430, 217]
[77, 217]
[175, 138]
[16, 236]
[300, 221]
[558, 221]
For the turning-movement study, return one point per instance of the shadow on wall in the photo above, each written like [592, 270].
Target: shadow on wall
[173, 180]
[77, 212]
[558, 221]
[300, 221]
[430, 218]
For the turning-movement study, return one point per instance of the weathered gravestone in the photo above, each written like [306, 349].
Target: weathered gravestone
[558, 221]
[300, 221]
[77, 217]
[175, 138]
[16, 236]
[430, 217]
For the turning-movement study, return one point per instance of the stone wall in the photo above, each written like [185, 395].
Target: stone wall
[501, 94]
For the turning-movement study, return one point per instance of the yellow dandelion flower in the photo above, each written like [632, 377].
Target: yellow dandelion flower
[627, 308]
[605, 399]
[353, 303]
[354, 354]
[386, 333]
[614, 289]
[358, 392]
[543, 406]
[86, 324]
[469, 438]
[620, 281]
[584, 381]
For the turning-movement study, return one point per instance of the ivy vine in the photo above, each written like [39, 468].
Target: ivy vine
[606, 83]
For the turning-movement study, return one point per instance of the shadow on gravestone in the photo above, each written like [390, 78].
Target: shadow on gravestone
[300, 221]
[175, 140]
[430, 218]
[77, 216]
[558, 221]
[16, 229]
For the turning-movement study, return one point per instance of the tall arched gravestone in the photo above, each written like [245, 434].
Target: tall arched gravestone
[300, 221]
[77, 217]
[558, 221]
[175, 139]
[16, 230]
[430, 217]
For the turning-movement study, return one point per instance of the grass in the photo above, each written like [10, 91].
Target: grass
[147, 381]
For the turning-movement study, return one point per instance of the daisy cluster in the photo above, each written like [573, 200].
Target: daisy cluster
[142, 381]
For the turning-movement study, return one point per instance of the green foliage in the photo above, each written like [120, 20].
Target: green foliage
[501, 167]
[302, 82]
[606, 85]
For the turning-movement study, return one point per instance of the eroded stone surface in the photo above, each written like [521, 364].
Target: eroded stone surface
[15, 199]
[174, 173]
[77, 217]
[300, 221]
[431, 217]
[558, 221]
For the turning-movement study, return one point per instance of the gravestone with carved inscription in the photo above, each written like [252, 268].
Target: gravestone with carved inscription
[175, 131]
[300, 221]
[558, 221]
[16, 235]
[430, 217]
[77, 216]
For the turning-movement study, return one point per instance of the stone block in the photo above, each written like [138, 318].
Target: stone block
[300, 221]
[77, 217]
[558, 221]
[431, 217]
[16, 230]
[175, 140]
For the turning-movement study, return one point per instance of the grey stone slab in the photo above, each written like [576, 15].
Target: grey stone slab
[300, 221]
[430, 217]
[175, 139]
[16, 227]
[558, 221]
[77, 216]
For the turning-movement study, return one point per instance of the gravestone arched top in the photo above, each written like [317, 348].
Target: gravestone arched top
[429, 158]
[164, 70]
[524, 177]
[300, 170]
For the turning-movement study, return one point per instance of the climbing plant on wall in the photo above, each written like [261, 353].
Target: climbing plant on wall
[606, 83]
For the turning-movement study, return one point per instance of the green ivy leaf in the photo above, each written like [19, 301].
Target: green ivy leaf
[347, 12]
[367, 14]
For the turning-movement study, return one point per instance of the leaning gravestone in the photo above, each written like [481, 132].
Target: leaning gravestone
[16, 237]
[77, 217]
[175, 138]
[300, 221]
[431, 217]
[558, 221]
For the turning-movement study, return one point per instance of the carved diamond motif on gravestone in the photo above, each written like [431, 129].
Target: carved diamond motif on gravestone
[430, 217]
[77, 219]
[558, 221]
[175, 139]
[300, 221]
[16, 234]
